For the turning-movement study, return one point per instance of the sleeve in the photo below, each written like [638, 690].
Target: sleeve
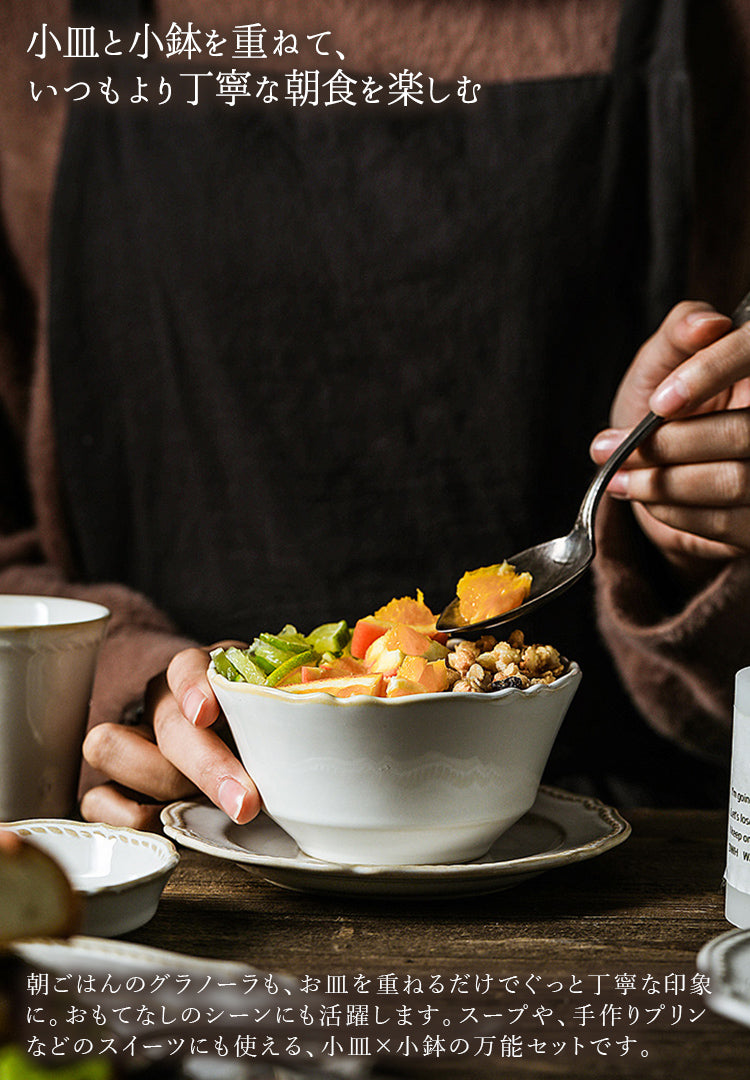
[140, 640]
[676, 656]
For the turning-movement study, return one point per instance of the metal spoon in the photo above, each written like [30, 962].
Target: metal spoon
[557, 564]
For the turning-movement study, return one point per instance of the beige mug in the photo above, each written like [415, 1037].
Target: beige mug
[48, 652]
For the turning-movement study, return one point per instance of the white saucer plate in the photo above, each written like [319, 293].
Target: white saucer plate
[560, 829]
[118, 873]
[726, 961]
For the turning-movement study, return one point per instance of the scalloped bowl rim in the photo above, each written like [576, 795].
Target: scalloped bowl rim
[573, 673]
[31, 828]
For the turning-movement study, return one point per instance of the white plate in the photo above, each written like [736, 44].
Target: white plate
[119, 873]
[559, 829]
[726, 960]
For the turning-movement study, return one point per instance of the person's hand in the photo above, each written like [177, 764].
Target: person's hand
[689, 483]
[170, 756]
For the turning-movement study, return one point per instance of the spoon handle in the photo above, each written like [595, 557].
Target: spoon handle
[741, 313]
[604, 474]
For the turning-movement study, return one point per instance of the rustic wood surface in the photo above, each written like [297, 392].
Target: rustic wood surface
[642, 910]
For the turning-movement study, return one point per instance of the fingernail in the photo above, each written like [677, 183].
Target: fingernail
[703, 318]
[606, 442]
[619, 484]
[670, 397]
[231, 795]
[192, 705]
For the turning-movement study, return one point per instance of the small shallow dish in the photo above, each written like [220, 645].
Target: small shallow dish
[428, 778]
[726, 961]
[119, 873]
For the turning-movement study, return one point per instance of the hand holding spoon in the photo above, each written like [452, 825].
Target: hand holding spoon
[557, 564]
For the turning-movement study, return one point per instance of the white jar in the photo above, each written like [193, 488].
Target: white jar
[737, 874]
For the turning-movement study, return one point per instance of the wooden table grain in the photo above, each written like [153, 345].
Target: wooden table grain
[629, 923]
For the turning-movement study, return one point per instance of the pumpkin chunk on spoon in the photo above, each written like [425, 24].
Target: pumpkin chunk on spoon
[491, 591]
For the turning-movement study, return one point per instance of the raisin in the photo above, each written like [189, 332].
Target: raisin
[513, 681]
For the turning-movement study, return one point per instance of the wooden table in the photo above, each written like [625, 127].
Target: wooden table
[592, 951]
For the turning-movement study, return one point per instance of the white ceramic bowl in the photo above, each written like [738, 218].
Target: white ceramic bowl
[119, 873]
[428, 778]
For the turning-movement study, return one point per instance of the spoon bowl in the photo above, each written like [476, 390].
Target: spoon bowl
[557, 564]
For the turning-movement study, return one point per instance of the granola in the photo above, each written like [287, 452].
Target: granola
[485, 665]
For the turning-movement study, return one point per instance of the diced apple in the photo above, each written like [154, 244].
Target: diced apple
[397, 686]
[436, 651]
[387, 652]
[365, 632]
[379, 657]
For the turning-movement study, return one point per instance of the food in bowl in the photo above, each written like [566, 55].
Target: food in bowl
[395, 652]
[389, 744]
[487, 664]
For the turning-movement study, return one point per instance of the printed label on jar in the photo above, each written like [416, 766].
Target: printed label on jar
[738, 835]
